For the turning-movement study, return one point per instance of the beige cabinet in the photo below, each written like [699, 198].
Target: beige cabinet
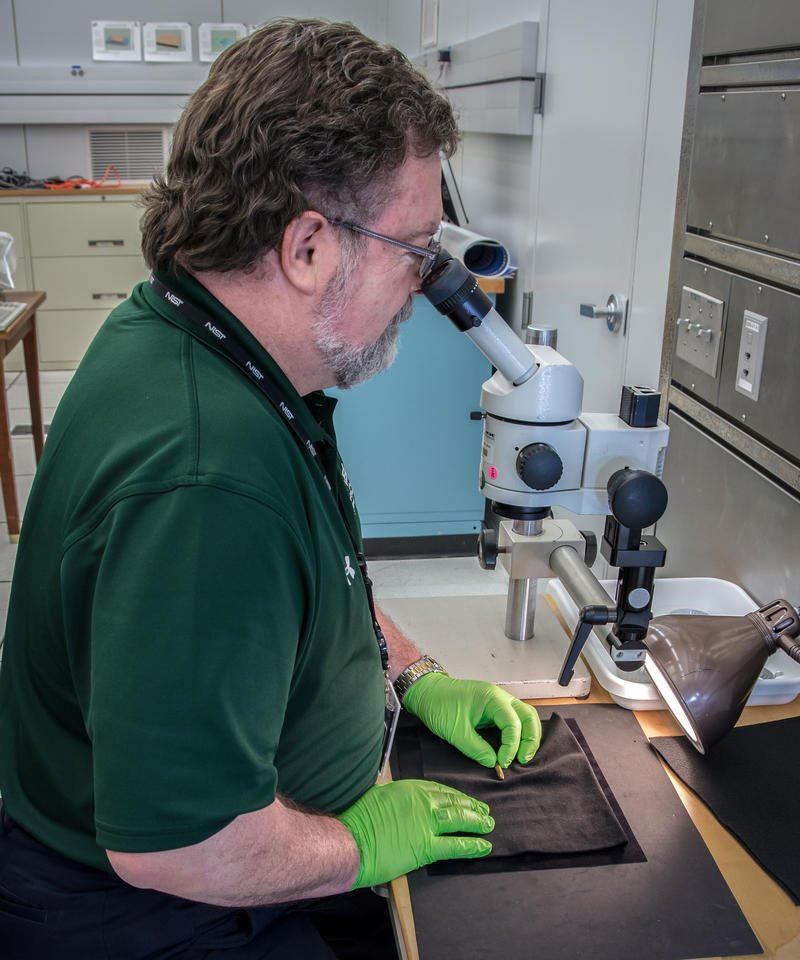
[84, 252]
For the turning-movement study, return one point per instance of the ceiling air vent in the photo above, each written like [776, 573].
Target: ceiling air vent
[134, 154]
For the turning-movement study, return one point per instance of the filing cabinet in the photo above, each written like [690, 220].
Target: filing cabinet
[83, 251]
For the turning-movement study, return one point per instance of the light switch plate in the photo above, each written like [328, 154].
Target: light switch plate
[700, 330]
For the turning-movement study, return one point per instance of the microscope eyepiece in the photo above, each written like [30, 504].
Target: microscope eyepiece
[455, 292]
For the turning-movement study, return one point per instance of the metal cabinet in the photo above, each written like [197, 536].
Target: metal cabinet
[733, 330]
[745, 175]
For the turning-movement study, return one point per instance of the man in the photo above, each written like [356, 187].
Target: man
[192, 694]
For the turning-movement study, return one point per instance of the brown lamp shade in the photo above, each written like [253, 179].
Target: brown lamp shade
[705, 667]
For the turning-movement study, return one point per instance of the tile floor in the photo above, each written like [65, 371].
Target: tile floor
[393, 578]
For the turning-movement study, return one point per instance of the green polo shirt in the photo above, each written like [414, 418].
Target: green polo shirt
[188, 631]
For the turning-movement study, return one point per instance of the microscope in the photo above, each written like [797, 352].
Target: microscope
[539, 451]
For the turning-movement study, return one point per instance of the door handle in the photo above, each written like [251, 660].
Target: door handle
[615, 312]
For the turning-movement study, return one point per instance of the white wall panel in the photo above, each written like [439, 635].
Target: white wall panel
[8, 49]
[57, 151]
[368, 15]
[465, 19]
[12, 148]
[54, 33]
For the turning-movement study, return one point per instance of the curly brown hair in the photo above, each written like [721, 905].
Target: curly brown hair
[302, 114]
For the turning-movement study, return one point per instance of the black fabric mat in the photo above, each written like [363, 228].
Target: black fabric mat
[751, 782]
[555, 812]
[673, 906]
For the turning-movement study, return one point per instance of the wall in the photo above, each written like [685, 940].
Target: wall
[51, 37]
[494, 172]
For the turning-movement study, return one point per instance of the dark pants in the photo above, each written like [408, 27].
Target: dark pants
[53, 908]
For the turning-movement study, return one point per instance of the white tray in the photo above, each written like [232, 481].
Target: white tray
[779, 682]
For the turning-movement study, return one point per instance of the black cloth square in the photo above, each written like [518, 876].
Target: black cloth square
[751, 782]
[555, 811]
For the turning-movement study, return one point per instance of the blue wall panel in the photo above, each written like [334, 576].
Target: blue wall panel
[409, 447]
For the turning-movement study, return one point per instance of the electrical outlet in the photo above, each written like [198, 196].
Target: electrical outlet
[751, 354]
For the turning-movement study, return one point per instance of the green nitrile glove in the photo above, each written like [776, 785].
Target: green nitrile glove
[403, 825]
[455, 709]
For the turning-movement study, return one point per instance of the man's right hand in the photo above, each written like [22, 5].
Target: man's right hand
[403, 825]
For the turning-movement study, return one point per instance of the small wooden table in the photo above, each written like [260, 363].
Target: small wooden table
[22, 328]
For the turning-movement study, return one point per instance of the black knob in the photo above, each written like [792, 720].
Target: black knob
[637, 498]
[487, 548]
[539, 466]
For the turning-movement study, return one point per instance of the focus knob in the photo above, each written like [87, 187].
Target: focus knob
[636, 498]
[487, 548]
[539, 466]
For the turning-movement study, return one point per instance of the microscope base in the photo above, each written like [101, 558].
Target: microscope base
[465, 634]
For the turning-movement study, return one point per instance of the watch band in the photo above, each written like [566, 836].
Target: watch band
[414, 672]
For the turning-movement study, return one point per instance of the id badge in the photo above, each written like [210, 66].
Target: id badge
[390, 719]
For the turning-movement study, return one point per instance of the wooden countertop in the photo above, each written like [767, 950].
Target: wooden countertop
[131, 189]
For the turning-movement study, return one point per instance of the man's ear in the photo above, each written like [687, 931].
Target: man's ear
[308, 252]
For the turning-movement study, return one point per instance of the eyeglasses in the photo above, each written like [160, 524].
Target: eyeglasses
[428, 254]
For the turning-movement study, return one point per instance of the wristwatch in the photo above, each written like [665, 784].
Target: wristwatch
[414, 672]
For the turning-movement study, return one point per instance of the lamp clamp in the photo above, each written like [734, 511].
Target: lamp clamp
[590, 616]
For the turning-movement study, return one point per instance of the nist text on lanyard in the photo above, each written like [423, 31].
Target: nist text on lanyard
[275, 395]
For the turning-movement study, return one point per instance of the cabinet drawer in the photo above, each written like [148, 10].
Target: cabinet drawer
[64, 335]
[83, 228]
[86, 283]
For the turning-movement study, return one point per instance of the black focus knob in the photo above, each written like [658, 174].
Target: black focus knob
[637, 499]
[487, 548]
[539, 466]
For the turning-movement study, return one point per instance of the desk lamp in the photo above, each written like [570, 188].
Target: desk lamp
[705, 667]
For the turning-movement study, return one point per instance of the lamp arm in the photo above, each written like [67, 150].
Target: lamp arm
[790, 647]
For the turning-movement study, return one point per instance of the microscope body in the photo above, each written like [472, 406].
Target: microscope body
[540, 450]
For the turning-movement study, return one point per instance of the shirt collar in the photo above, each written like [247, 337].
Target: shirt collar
[314, 411]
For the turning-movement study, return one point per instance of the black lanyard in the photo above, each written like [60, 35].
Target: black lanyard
[277, 397]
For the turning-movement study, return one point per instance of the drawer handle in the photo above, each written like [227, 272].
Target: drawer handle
[106, 243]
[109, 296]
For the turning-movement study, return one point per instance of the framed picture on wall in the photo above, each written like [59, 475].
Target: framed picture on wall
[116, 40]
[164, 42]
[213, 38]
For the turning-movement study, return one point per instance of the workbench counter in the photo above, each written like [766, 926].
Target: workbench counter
[768, 909]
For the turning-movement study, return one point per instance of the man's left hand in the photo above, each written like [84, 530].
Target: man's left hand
[456, 709]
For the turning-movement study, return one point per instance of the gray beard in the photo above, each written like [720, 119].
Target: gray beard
[352, 365]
